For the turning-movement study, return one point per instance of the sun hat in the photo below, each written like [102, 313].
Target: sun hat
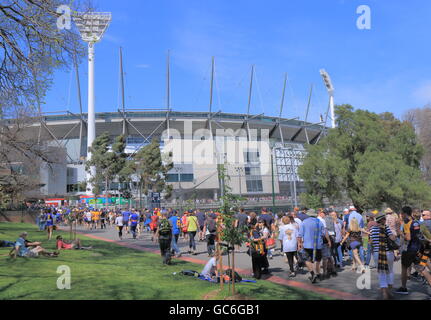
[380, 216]
[389, 210]
[312, 213]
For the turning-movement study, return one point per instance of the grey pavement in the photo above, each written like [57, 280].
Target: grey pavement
[346, 281]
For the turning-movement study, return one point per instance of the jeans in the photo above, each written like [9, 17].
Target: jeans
[165, 248]
[386, 279]
[211, 243]
[369, 255]
[339, 254]
[174, 244]
[133, 229]
[290, 256]
[192, 243]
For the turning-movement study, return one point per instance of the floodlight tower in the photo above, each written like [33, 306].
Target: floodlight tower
[92, 26]
[330, 88]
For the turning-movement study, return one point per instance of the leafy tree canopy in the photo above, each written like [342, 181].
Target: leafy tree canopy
[369, 159]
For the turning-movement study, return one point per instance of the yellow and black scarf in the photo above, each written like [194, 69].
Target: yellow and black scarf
[383, 259]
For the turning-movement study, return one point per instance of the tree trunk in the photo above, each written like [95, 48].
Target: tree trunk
[233, 270]
[220, 269]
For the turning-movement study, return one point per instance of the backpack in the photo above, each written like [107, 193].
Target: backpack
[238, 278]
[211, 226]
[165, 227]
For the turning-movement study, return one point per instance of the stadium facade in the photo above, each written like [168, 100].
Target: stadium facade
[188, 135]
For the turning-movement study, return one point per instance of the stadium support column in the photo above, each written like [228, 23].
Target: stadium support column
[91, 132]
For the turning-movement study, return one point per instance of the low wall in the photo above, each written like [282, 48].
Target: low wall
[25, 216]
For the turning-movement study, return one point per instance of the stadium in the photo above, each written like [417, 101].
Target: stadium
[190, 180]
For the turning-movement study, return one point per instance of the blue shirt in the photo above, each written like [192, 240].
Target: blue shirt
[175, 229]
[126, 215]
[311, 232]
[22, 251]
[134, 219]
[358, 217]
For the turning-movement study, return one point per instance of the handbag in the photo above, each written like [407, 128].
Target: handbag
[392, 245]
[270, 243]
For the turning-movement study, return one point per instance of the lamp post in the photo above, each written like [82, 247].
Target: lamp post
[329, 87]
[92, 26]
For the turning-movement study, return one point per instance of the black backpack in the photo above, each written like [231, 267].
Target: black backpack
[238, 278]
[211, 226]
[165, 227]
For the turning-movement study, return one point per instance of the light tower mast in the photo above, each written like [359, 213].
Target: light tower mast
[328, 84]
[92, 26]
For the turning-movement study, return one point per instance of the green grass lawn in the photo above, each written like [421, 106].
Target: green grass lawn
[113, 272]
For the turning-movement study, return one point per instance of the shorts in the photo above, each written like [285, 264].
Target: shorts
[408, 258]
[308, 255]
[326, 251]
[355, 245]
[31, 254]
[201, 228]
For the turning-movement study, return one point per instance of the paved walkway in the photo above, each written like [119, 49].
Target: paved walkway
[344, 286]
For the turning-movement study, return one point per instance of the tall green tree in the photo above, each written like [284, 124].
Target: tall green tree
[230, 234]
[368, 160]
[152, 169]
[108, 161]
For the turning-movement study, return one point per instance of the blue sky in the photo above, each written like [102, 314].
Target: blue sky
[387, 68]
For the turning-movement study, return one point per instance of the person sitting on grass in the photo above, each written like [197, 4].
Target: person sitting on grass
[24, 248]
[210, 271]
[75, 244]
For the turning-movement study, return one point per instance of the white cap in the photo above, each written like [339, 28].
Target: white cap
[352, 208]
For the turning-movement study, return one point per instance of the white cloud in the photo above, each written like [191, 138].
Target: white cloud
[142, 66]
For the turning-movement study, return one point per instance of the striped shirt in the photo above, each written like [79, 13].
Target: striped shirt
[374, 237]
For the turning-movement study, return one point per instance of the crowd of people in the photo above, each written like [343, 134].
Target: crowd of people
[321, 242]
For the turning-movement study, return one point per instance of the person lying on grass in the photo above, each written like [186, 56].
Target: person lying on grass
[25, 248]
[6, 244]
[76, 244]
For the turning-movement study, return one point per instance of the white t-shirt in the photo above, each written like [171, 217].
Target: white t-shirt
[288, 234]
[119, 221]
[299, 223]
[212, 263]
[88, 215]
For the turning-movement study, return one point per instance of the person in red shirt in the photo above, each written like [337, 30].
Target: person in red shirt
[76, 244]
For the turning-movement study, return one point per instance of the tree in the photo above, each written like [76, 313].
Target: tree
[152, 169]
[369, 160]
[108, 161]
[420, 119]
[230, 234]
[31, 49]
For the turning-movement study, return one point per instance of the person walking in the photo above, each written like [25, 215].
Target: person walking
[354, 235]
[192, 228]
[164, 236]
[210, 230]
[310, 236]
[176, 229]
[119, 225]
[134, 220]
[288, 234]
[380, 235]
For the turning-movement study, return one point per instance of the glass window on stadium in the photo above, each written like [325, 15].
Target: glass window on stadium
[253, 175]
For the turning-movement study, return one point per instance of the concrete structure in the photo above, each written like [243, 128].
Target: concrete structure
[251, 174]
